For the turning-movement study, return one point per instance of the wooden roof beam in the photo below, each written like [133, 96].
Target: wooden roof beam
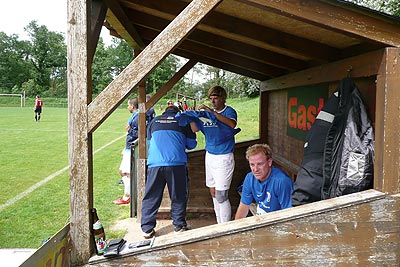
[336, 16]
[236, 60]
[241, 30]
[222, 65]
[121, 24]
[109, 99]
[364, 65]
[219, 55]
[224, 44]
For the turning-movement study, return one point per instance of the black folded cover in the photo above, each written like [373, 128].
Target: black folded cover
[113, 247]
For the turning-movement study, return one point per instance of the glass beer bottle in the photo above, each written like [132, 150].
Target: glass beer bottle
[98, 234]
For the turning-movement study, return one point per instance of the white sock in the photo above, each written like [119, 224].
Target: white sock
[225, 211]
[216, 209]
[127, 185]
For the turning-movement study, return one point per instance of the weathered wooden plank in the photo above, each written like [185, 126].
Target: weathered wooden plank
[147, 60]
[387, 127]
[80, 146]
[336, 17]
[254, 222]
[361, 66]
[245, 31]
[293, 236]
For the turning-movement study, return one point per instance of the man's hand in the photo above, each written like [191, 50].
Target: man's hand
[206, 108]
[242, 211]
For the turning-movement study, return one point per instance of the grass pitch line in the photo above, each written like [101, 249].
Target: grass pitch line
[48, 178]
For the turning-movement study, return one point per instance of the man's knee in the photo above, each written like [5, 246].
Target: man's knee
[221, 195]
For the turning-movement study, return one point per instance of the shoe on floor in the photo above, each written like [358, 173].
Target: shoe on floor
[121, 201]
[149, 234]
[178, 229]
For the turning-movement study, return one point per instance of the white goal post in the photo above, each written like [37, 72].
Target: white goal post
[22, 96]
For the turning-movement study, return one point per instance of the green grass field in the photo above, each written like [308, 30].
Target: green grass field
[31, 152]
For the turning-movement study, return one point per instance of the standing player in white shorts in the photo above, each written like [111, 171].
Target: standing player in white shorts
[220, 145]
[132, 128]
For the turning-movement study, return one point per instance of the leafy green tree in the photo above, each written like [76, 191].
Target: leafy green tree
[387, 6]
[121, 55]
[162, 74]
[13, 66]
[101, 74]
[48, 56]
[236, 85]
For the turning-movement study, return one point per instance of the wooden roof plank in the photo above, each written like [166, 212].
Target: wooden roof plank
[222, 65]
[362, 66]
[222, 56]
[125, 28]
[337, 16]
[218, 42]
[244, 31]
[109, 99]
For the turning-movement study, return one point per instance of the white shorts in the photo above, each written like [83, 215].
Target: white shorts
[125, 166]
[219, 170]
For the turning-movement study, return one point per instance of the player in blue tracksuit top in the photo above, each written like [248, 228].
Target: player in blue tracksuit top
[132, 128]
[167, 144]
[266, 185]
[220, 144]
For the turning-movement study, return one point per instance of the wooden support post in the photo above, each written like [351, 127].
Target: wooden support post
[387, 127]
[80, 139]
[263, 117]
[141, 161]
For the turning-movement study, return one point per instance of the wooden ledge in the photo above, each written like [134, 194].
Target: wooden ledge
[253, 222]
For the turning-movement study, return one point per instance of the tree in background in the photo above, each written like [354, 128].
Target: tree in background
[108, 62]
[236, 85]
[387, 6]
[38, 66]
[14, 68]
[48, 56]
[162, 74]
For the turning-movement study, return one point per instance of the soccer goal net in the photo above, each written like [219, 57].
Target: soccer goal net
[12, 100]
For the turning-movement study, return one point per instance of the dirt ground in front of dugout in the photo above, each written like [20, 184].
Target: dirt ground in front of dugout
[164, 225]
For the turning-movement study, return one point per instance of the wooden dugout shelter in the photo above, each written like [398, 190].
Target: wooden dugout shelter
[286, 44]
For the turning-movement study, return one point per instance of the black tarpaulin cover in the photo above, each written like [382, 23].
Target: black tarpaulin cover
[339, 149]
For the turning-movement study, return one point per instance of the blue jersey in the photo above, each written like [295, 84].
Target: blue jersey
[221, 129]
[133, 133]
[275, 193]
[220, 138]
[150, 114]
[168, 141]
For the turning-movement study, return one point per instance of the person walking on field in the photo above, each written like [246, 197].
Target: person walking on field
[220, 145]
[38, 108]
[132, 128]
[166, 163]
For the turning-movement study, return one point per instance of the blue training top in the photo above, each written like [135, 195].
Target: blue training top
[168, 141]
[273, 194]
[220, 138]
[133, 133]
